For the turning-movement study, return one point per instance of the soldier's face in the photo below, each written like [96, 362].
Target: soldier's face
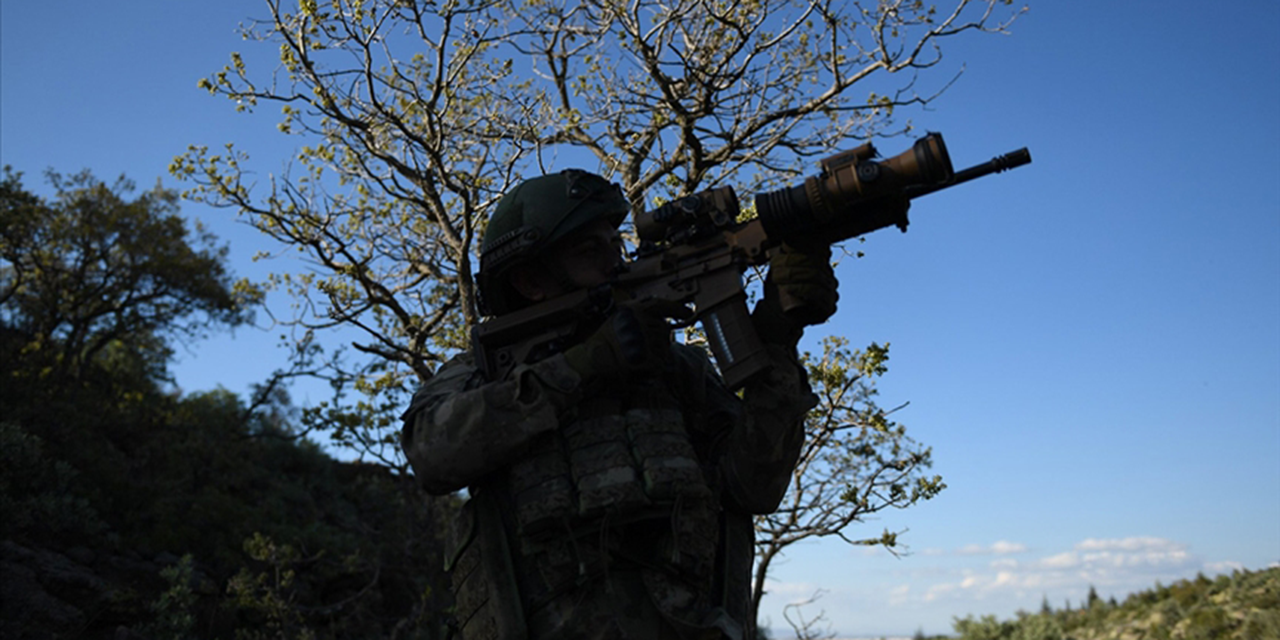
[590, 256]
[586, 258]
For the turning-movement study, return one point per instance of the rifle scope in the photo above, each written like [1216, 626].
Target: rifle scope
[855, 194]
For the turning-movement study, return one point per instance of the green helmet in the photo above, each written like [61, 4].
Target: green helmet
[534, 215]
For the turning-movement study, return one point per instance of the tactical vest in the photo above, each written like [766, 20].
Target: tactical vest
[621, 484]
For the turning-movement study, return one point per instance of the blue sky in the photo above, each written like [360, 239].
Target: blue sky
[1090, 344]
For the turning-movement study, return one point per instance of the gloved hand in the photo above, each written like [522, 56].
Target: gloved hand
[803, 283]
[800, 290]
[635, 338]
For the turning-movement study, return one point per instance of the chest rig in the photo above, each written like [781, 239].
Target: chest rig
[621, 484]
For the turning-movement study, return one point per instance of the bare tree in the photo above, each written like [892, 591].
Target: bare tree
[419, 114]
[676, 96]
[394, 187]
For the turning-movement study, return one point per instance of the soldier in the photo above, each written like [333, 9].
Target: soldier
[612, 485]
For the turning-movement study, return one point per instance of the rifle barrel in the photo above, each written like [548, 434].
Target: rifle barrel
[995, 165]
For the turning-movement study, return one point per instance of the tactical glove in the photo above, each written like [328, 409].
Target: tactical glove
[803, 283]
[635, 338]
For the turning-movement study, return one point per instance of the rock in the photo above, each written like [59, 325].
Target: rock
[43, 593]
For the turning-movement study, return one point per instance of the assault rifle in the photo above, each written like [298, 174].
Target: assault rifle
[694, 251]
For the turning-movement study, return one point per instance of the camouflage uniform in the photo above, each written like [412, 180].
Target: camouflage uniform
[610, 509]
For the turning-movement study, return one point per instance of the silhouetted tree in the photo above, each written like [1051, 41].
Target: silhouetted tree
[91, 268]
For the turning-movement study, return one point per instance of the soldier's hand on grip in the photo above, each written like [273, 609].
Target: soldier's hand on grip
[636, 337]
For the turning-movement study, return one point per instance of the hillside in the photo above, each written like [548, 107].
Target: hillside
[1243, 605]
[130, 510]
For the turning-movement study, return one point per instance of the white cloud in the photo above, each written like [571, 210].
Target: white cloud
[938, 591]
[1132, 553]
[1061, 561]
[1000, 547]
[1003, 563]
[1135, 543]
[1004, 546]
[1114, 566]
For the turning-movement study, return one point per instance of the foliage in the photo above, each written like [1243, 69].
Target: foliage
[1240, 605]
[103, 463]
[855, 462]
[93, 287]
[39, 494]
[173, 608]
[418, 115]
[272, 593]
[90, 269]
[985, 628]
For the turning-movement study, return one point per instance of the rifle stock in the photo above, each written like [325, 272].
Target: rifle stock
[694, 251]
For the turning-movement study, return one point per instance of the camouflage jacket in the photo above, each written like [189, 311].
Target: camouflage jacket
[462, 431]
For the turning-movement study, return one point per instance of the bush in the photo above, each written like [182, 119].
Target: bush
[39, 496]
[1242, 606]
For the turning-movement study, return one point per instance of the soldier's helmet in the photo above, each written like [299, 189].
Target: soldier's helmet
[532, 217]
